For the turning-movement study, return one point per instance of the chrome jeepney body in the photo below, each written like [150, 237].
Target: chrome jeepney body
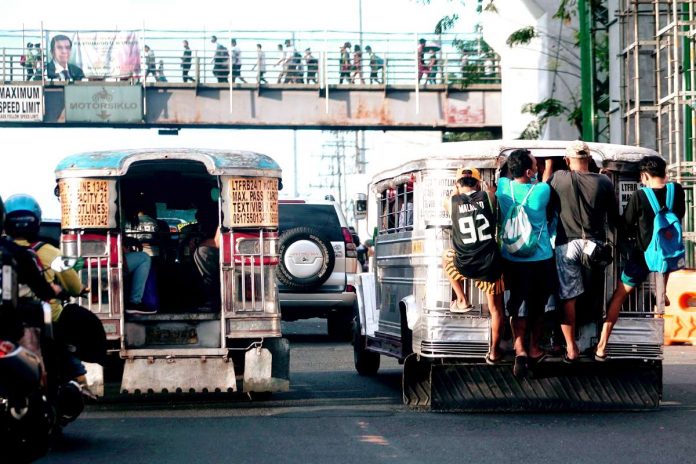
[404, 301]
[182, 347]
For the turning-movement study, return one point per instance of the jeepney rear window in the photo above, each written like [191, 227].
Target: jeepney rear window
[396, 208]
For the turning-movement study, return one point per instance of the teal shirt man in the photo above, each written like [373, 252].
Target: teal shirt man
[537, 205]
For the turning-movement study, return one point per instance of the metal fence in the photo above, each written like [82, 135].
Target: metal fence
[396, 59]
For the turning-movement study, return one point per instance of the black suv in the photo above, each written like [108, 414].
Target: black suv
[317, 267]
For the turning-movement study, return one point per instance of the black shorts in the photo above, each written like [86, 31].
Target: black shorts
[530, 284]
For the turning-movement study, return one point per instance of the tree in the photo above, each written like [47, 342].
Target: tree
[563, 62]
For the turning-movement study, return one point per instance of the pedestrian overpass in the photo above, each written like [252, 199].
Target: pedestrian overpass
[410, 82]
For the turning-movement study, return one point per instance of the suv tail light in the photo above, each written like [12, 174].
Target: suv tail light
[6, 348]
[351, 251]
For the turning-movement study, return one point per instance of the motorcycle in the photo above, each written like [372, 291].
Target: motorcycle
[34, 402]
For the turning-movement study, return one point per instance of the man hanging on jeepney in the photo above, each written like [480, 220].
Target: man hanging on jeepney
[528, 266]
[474, 253]
[586, 203]
[654, 213]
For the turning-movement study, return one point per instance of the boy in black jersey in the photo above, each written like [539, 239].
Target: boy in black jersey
[474, 253]
[639, 216]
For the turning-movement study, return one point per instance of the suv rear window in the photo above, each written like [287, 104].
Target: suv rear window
[320, 217]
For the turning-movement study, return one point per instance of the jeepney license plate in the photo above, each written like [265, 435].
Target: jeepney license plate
[171, 336]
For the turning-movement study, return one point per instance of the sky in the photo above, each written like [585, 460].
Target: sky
[30, 155]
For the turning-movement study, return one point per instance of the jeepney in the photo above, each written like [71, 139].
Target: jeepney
[185, 346]
[403, 301]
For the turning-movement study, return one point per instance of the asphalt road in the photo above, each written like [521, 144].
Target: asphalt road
[332, 415]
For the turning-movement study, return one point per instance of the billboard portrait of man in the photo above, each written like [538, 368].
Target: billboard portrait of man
[59, 67]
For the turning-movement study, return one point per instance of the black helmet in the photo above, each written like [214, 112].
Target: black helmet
[22, 216]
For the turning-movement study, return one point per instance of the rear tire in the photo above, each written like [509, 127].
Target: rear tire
[366, 362]
[308, 238]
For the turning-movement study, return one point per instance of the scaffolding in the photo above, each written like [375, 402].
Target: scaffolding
[657, 54]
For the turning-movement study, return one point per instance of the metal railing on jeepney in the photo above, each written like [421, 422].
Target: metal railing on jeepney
[248, 273]
[100, 270]
[397, 65]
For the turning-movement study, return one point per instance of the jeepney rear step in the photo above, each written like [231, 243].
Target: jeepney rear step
[179, 374]
[613, 385]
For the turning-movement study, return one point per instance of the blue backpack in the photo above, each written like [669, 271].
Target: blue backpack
[665, 253]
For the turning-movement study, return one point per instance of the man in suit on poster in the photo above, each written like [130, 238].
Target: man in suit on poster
[59, 68]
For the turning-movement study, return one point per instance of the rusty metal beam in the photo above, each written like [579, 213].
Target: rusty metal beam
[348, 107]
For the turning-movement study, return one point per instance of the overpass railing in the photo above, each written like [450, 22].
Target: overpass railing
[396, 60]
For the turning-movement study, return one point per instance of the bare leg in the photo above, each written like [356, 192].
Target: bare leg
[519, 329]
[666, 279]
[568, 328]
[457, 286]
[536, 329]
[495, 306]
[617, 300]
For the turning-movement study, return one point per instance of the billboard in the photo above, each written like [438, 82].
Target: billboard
[21, 103]
[94, 55]
[104, 103]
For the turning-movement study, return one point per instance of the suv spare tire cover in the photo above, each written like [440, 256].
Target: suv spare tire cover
[306, 258]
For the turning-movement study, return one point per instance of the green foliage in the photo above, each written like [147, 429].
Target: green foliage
[488, 7]
[446, 23]
[565, 9]
[543, 111]
[468, 136]
[521, 36]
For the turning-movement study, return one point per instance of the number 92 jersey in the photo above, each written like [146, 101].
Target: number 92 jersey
[474, 238]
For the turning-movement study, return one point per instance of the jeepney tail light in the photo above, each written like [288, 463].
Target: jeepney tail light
[96, 249]
[351, 250]
[350, 289]
[245, 247]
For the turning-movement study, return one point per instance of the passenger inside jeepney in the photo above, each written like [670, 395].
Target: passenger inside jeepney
[206, 257]
[141, 245]
[183, 282]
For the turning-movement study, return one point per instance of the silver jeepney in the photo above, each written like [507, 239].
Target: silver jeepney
[404, 301]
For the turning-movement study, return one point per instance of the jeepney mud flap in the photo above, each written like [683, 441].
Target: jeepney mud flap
[620, 385]
[179, 374]
[267, 368]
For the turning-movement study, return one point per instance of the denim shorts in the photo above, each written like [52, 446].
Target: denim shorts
[635, 270]
[569, 268]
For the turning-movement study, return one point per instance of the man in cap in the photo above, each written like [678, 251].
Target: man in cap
[474, 253]
[586, 202]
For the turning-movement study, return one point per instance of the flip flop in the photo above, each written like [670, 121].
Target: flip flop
[492, 362]
[567, 360]
[520, 368]
[599, 358]
[538, 359]
[456, 308]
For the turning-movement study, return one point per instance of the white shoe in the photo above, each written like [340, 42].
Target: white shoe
[457, 307]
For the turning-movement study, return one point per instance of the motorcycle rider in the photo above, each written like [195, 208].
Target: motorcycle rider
[22, 222]
[28, 276]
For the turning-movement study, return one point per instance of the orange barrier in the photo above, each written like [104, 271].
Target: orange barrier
[680, 316]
